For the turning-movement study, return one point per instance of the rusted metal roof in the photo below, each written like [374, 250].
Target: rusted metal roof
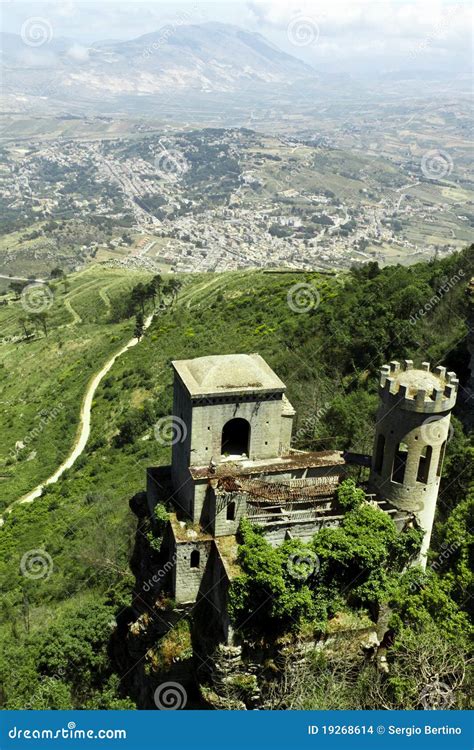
[288, 462]
[281, 492]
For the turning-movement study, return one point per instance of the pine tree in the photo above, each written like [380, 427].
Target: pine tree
[139, 326]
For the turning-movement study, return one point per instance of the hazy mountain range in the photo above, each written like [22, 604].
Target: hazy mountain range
[211, 57]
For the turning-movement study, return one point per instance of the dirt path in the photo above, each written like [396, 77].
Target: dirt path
[22, 278]
[84, 425]
[76, 318]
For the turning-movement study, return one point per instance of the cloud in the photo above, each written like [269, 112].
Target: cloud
[343, 33]
[386, 28]
[78, 53]
[385, 17]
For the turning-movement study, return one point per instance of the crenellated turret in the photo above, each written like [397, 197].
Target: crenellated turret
[418, 389]
[411, 434]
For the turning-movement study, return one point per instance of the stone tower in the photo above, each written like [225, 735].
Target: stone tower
[229, 408]
[410, 439]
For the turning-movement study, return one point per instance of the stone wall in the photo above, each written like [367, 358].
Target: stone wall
[188, 574]
[181, 451]
[211, 624]
[276, 533]
[220, 504]
[208, 420]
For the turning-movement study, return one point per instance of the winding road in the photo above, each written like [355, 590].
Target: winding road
[84, 425]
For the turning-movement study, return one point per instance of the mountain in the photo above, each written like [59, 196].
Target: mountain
[206, 58]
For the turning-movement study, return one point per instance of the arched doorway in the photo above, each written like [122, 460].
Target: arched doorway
[236, 437]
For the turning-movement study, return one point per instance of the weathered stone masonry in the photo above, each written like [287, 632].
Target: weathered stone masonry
[234, 460]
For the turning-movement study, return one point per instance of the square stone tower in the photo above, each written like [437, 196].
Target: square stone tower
[228, 408]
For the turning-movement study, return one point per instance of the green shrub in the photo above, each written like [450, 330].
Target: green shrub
[349, 496]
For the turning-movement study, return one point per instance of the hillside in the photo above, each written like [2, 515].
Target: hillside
[208, 57]
[326, 345]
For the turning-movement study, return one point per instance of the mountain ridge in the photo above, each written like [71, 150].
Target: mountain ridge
[217, 58]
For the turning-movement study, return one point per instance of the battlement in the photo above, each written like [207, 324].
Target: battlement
[418, 389]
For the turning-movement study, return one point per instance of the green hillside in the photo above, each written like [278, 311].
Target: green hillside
[325, 340]
[44, 377]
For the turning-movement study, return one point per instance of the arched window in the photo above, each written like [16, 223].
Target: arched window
[400, 463]
[236, 438]
[424, 464]
[441, 459]
[194, 561]
[379, 454]
[231, 511]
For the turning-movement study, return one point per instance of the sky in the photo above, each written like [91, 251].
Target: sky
[342, 35]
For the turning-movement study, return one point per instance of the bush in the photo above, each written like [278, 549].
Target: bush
[353, 565]
[349, 496]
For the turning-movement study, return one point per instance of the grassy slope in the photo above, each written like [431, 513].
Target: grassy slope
[84, 521]
[44, 379]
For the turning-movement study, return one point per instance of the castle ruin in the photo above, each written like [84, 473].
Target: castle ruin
[233, 459]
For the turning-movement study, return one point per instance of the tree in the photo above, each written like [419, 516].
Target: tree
[270, 593]
[139, 295]
[139, 326]
[40, 319]
[23, 321]
[171, 289]
[425, 672]
[57, 273]
[175, 285]
[17, 287]
[154, 288]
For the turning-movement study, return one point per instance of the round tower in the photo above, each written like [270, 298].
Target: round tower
[410, 439]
